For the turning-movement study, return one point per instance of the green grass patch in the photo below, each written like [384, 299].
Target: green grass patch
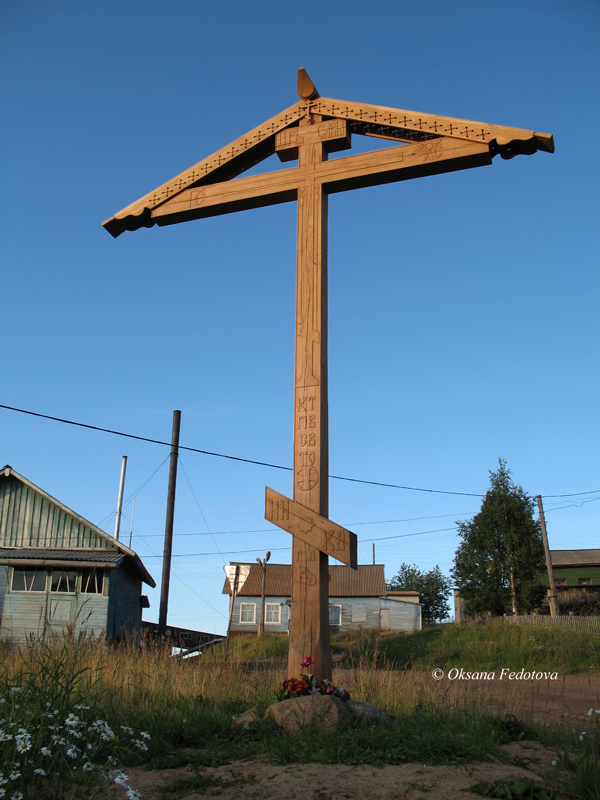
[492, 646]
[259, 648]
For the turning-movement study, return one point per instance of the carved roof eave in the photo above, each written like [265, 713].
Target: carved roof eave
[379, 121]
[507, 142]
[228, 162]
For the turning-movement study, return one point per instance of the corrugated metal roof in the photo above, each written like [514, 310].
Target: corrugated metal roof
[573, 558]
[30, 554]
[367, 581]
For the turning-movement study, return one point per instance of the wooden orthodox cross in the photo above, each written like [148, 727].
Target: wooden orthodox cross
[307, 132]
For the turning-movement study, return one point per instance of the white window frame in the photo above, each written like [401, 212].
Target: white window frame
[248, 621]
[337, 608]
[275, 609]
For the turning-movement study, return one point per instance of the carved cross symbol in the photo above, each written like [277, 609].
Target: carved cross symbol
[301, 133]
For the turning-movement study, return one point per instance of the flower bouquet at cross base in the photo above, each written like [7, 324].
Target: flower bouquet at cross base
[307, 684]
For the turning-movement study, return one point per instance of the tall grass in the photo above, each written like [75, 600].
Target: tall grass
[490, 646]
[187, 705]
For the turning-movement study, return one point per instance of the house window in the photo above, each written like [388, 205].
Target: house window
[335, 615]
[272, 614]
[92, 580]
[248, 613]
[63, 580]
[584, 581]
[29, 580]
[560, 582]
[359, 613]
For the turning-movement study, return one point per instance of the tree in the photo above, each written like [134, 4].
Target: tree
[501, 556]
[432, 586]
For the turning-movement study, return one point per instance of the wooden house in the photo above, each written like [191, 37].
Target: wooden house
[59, 572]
[574, 568]
[357, 600]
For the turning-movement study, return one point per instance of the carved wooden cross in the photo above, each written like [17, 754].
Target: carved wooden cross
[308, 131]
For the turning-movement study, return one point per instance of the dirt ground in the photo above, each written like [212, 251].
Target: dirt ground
[565, 701]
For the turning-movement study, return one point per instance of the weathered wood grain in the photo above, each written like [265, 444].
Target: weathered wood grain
[314, 530]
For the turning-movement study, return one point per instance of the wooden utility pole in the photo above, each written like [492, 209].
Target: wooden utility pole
[234, 591]
[263, 565]
[424, 144]
[552, 594]
[166, 573]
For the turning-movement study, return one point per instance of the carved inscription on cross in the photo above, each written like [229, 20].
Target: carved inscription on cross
[309, 624]
[308, 131]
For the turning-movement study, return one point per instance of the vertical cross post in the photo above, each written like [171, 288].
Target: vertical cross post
[309, 627]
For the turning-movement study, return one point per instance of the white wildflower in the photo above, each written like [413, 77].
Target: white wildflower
[72, 752]
[45, 751]
[144, 735]
[133, 794]
[16, 796]
[142, 745]
[4, 737]
[15, 689]
[590, 712]
[14, 775]
[72, 719]
[40, 772]
[88, 766]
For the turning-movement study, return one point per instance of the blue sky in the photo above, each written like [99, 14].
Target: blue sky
[463, 308]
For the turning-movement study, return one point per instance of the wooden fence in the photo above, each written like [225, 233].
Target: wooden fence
[590, 624]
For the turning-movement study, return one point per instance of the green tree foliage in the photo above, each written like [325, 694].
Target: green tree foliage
[432, 586]
[499, 561]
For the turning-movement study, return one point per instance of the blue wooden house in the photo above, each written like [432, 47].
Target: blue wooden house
[357, 600]
[59, 572]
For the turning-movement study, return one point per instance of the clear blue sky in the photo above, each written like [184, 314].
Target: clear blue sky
[463, 308]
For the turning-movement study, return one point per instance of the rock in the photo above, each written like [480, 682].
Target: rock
[324, 711]
[366, 712]
[249, 719]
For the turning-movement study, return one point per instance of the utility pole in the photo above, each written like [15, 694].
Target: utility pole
[552, 596]
[263, 565]
[166, 574]
[120, 499]
[131, 529]
[234, 590]
[373, 553]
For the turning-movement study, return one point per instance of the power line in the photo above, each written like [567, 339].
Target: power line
[279, 549]
[261, 463]
[345, 524]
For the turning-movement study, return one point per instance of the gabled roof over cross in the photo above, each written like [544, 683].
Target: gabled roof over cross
[175, 200]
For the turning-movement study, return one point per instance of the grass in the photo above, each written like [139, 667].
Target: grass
[491, 646]
[187, 706]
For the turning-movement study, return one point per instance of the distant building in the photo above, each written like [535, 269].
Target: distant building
[577, 580]
[574, 568]
[357, 600]
[59, 572]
